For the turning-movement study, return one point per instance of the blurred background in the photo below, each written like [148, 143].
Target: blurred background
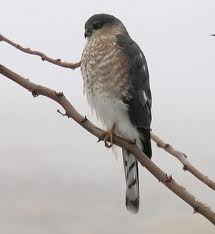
[54, 178]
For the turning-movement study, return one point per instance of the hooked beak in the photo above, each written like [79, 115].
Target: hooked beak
[88, 33]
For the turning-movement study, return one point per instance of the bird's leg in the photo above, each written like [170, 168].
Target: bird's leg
[107, 136]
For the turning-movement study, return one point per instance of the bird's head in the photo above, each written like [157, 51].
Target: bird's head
[101, 22]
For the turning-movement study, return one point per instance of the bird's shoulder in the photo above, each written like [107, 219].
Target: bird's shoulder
[133, 52]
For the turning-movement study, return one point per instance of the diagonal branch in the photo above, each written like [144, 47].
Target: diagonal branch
[179, 155]
[187, 166]
[43, 56]
[71, 112]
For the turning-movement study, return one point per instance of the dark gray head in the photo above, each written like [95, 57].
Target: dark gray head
[98, 21]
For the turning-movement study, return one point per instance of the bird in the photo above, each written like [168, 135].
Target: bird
[116, 84]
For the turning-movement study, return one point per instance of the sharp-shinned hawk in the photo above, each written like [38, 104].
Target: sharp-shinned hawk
[116, 83]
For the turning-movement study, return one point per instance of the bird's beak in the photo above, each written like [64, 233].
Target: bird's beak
[88, 33]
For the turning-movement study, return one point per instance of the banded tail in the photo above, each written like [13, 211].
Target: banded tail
[132, 181]
[132, 176]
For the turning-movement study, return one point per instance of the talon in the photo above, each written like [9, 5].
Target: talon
[107, 137]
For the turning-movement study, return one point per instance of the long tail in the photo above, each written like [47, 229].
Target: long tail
[132, 181]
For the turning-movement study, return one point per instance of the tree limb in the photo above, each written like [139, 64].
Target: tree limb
[71, 112]
[43, 56]
[187, 166]
[179, 155]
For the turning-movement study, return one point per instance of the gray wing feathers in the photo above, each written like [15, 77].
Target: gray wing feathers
[139, 98]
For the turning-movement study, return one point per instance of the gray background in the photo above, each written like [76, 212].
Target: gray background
[54, 178]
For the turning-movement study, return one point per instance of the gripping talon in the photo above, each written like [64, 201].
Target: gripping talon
[107, 137]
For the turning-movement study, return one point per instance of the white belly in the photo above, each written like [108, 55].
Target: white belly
[110, 110]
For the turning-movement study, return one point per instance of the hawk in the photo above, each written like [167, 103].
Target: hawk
[116, 83]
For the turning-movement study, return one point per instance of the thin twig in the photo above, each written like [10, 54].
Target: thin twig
[187, 166]
[43, 56]
[71, 112]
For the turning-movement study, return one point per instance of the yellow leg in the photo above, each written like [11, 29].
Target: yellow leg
[107, 136]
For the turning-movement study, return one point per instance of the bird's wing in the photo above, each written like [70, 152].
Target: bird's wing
[139, 98]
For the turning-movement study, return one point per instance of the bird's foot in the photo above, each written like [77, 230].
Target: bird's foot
[107, 136]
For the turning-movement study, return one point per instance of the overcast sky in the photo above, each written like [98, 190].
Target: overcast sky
[54, 178]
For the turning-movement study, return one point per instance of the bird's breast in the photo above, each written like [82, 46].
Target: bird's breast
[105, 72]
[104, 68]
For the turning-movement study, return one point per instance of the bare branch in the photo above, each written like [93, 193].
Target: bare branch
[181, 156]
[187, 166]
[43, 56]
[71, 112]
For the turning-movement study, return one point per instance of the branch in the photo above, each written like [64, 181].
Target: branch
[71, 112]
[187, 166]
[43, 56]
[179, 155]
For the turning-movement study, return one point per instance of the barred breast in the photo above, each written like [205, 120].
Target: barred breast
[104, 67]
[105, 73]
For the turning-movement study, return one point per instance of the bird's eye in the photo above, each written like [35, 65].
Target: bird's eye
[97, 26]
